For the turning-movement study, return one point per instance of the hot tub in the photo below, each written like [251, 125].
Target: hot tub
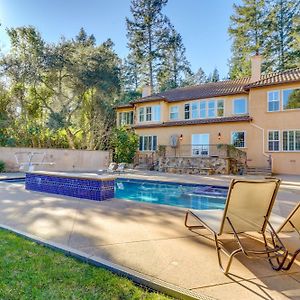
[79, 185]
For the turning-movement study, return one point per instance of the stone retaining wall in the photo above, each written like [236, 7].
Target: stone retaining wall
[197, 165]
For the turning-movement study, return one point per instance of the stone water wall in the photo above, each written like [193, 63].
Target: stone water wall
[197, 165]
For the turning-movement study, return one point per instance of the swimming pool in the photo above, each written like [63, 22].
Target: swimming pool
[194, 196]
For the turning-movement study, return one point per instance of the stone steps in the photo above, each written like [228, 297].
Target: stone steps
[258, 171]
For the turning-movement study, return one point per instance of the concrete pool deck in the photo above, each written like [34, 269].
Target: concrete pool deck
[151, 239]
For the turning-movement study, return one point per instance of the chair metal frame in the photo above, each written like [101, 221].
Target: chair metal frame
[276, 251]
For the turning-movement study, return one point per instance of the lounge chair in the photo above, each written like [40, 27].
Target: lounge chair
[247, 209]
[288, 227]
[111, 168]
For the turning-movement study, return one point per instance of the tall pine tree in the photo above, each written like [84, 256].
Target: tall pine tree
[146, 31]
[174, 64]
[248, 31]
[280, 42]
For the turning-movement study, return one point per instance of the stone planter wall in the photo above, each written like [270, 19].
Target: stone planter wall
[197, 165]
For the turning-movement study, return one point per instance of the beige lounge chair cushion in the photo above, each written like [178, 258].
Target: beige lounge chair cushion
[210, 218]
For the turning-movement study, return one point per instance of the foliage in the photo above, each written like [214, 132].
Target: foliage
[146, 31]
[35, 272]
[214, 77]
[267, 27]
[294, 100]
[125, 144]
[162, 150]
[2, 166]
[61, 94]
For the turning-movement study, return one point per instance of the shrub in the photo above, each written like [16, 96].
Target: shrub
[2, 166]
[124, 143]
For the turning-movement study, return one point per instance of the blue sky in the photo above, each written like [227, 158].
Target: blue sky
[202, 23]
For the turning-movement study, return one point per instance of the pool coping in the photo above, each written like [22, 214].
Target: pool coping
[138, 278]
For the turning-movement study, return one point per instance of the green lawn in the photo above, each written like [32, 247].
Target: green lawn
[31, 271]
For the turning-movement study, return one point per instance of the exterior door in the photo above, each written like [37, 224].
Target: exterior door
[200, 144]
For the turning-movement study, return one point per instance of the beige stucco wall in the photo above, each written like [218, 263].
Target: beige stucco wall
[256, 130]
[64, 159]
[283, 162]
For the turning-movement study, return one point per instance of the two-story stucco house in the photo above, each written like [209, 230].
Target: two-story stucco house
[259, 114]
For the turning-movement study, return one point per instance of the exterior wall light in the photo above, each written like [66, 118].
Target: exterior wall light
[219, 135]
[181, 137]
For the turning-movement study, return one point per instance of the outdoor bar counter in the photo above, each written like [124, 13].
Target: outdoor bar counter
[79, 185]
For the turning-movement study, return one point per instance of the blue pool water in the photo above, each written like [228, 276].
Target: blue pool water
[174, 194]
[193, 196]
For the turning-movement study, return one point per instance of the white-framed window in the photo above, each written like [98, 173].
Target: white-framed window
[291, 140]
[240, 106]
[148, 143]
[200, 144]
[203, 109]
[186, 111]
[141, 114]
[211, 109]
[156, 113]
[273, 101]
[174, 112]
[291, 99]
[126, 118]
[195, 110]
[220, 108]
[273, 140]
[238, 139]
[149, 113]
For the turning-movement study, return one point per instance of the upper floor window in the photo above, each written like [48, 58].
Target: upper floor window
[220, 108]
[174, 113]
[273, 140]
[291, 140]
[238, 139]
[142, 114]
[202, 109]
[273, 101]
[187, 111]
[211, 113]
[149, 113]
[126, 118]
[195, 110]
[240, 106]
[291, 99]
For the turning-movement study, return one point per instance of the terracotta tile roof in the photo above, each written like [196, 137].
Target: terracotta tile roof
[124, 105]
[201, 91]
[196, 122]
[288, 76]
[221, 88]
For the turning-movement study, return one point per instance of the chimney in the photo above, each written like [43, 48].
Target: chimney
[256, 61]
[146, 91]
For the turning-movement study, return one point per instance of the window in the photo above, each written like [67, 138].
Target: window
[291, 140]
[187, 111]
[211, 109]
[149, 113]
[148, 143]
[200, 144]
[126, 118]
[273, 140]
[291, 99]
[195, 112]
[240, 106]
[238, 139]
[273, 101]
[142, 114]
[156, 113]
[174, 113]
[220, 108]
[202, 109]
